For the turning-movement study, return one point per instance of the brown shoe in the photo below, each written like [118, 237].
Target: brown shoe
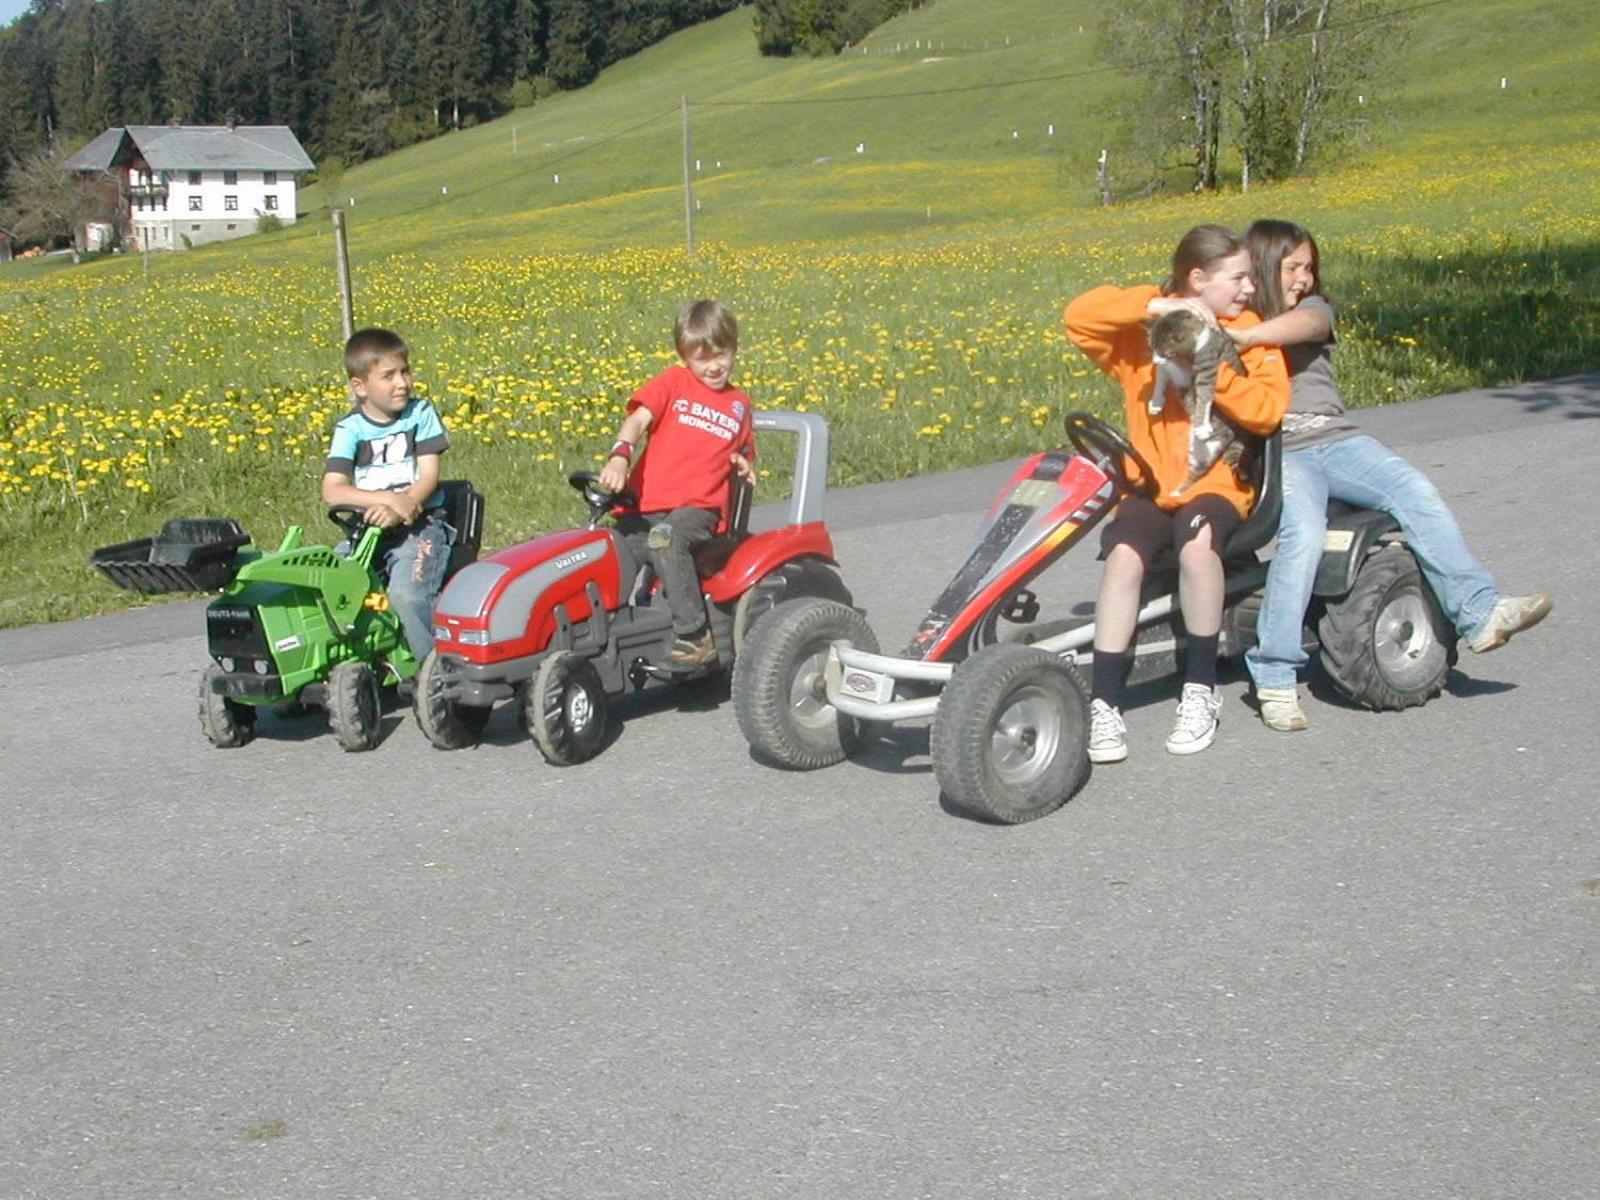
[688, 653]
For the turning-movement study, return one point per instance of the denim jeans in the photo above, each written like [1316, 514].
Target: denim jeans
[1363, 472]
[413, 560]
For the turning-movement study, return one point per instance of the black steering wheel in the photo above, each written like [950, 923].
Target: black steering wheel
[348, 517]
[599, 500]
[1107, 446]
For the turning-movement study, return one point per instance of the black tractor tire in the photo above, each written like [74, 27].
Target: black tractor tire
[777, 683]
[446, 723]
[565, 709]
[226, 723]
[1010, 740]
[1386, 644]
[355, 710]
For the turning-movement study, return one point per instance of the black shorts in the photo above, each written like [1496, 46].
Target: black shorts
[1148, 530]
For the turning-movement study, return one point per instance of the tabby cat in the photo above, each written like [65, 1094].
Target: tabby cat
[1187, 352]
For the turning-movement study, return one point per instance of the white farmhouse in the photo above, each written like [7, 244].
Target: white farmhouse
[188, 184]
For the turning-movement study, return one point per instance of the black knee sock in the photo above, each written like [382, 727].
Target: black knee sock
[1111, 676]
[1202, 664]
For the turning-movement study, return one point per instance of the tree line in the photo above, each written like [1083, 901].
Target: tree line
[820, 27]
[352, 78]
[1271, 82]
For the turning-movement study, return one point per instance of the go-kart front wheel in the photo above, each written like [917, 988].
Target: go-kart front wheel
[354, 708]
[226, 723]
[1386, 643]
[445, 722]
[564, 707]
[1010, 739]
[778, 692]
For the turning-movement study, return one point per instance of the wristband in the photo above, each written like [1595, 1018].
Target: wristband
[623, 449]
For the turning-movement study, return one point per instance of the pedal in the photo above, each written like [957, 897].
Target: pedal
[1022, 608]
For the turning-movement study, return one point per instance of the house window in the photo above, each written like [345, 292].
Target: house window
[271, 202]
[194, 178]
[231, 228]
[269, 177]
[230, 203]
[231, 178]
[194, 203]
[194, 229]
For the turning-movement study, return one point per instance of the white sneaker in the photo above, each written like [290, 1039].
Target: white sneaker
[1511, 615]
[1280, 709]
[1108, 736]
[1198, 710]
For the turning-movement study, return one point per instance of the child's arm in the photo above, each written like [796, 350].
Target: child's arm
[614, 475]
[1304, 323]
[1099, 319]
[385, 509]
[742, 468]
[1256, 401]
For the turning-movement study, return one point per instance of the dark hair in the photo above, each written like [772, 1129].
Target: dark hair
[367, 346]
[1269, 243]
[706, 323]
[1200, 247]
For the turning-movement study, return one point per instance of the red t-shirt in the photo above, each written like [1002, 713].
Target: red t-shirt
[693, 430]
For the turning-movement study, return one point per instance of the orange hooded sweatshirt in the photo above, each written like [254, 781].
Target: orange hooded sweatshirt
[1108, 324]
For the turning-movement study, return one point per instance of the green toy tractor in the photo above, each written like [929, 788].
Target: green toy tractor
[297, 627]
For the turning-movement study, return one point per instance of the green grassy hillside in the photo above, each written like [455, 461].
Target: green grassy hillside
[910, 292]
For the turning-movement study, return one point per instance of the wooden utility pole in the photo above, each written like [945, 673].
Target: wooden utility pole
[688, 184]
[341, 254]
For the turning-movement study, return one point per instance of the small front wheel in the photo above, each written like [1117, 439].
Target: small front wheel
[444, 721]
[564, 707]
[226, 723]
[1010, 740]
[354, 708]
[1387, 643]
[778, 691]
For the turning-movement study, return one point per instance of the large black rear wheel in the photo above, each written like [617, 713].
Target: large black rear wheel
[778, 691]
[1386, 644]
[1010, 740]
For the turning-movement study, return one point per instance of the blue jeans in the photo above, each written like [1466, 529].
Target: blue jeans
[414, 566]
[1363, 472]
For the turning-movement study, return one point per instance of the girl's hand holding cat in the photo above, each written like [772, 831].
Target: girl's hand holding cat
[1166, 304]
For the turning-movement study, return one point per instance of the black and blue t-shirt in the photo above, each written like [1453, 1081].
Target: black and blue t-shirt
[382, 457]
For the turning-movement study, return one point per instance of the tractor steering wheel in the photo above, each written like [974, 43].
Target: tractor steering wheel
[597, 498]
[347, 517]
[1106, 445]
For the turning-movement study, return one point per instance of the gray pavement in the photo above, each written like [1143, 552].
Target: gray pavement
[1356, 962]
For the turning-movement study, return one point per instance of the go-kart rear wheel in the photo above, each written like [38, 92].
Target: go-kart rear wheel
[564, 707]
[1010, 739]
[354, 708]
[778, 692]
[226, 723]
[1386, 643]
[449, 725]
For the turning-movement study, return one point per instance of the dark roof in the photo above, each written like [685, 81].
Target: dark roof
[197, 147]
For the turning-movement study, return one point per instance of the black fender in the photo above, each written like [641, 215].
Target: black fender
[1353, 533]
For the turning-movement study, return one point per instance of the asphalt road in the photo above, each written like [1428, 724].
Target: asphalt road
[1360, 961]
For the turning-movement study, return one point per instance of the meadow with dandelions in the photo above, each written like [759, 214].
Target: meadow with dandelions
[206, 383]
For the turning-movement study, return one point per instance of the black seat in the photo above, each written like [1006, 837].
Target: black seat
[463, 509]
[711, 556]
[1263, 467]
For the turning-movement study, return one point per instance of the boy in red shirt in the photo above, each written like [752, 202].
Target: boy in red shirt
[700, 433]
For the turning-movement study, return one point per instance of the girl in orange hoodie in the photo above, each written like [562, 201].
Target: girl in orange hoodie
[1210, 277]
